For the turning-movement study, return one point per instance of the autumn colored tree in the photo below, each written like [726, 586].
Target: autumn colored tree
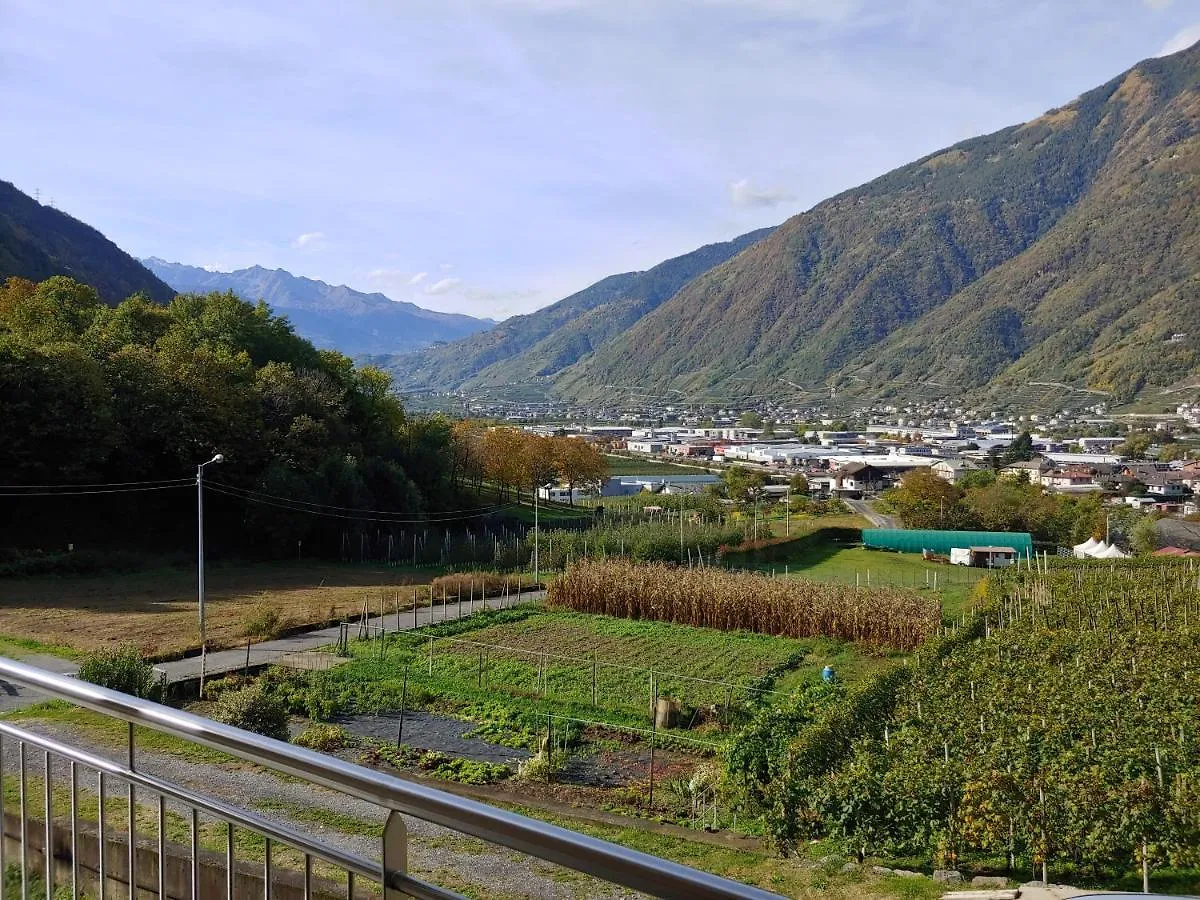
[578, 462]
[923, 500]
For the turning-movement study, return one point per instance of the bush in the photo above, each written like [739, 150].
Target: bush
[324, 738]
[545, 766]
[254, 709]
[121, 670]
[263, 621]
[215, 687]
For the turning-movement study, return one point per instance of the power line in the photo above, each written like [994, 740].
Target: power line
[386, 515]
[368, 518]
[128, 490]
[163, 481]
[355, 509]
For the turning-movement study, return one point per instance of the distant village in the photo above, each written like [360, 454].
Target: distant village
[1151, 463]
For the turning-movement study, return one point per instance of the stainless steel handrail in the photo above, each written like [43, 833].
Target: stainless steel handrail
[601, 859]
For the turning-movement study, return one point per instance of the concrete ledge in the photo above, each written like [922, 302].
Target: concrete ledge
[248, 879]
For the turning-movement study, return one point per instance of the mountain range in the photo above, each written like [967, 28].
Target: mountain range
[37, 242]
[1065, 249]
[335, 317]
[546, 342]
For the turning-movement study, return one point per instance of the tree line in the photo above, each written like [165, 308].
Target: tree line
[93, 394]
[983, 501]
[516, 461]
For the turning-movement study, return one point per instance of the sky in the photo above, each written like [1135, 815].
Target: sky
[492, 156]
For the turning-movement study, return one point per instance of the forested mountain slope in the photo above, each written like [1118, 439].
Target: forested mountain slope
[1065, 247]
[331, 316]
[545, 342]
[39, 241]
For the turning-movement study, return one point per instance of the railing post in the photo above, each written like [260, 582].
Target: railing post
[395, 854]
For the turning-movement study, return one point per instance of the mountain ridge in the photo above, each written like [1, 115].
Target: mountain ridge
[332, 316]
[850, 291]
[542, 343]
[38, 242]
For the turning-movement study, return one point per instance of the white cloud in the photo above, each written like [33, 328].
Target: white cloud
[443, 286]
[307, 239]
[745, 195]
[1181, 41]
[418, 278]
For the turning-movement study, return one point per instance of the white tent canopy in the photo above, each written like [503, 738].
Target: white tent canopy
[1087, 548]
[1112, 551]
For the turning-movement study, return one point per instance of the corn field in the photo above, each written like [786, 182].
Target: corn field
[714, 598]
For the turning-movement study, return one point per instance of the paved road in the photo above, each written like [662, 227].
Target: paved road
[268, 652]
[877, 519]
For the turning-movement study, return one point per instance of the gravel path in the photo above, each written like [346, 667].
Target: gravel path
[435, 853]
[877, 519]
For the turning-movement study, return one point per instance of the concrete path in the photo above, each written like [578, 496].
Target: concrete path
[877, 519]
[17, 696]
[270, 652]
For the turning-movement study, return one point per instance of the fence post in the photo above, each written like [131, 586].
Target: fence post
[403, 706]
[653, 741]
[246, 670]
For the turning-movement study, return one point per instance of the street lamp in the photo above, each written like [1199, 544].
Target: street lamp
[218, 458]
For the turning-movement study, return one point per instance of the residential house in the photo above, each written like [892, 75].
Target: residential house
[860, 477]
[952, 470]
[1071, 479]
[1028, 470]
[1165, 486]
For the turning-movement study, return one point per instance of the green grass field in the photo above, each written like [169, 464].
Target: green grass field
[625, 465]
[856, 565]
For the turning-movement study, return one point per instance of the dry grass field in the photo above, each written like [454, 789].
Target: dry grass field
[156, 610]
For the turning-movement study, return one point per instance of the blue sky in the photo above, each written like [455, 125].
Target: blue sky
[492, 156]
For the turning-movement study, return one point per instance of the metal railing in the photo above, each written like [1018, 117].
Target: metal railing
[603, 860]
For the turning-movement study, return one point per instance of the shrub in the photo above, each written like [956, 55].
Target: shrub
[121, 670]
[254, 709]
[215, 687]
[543, 767]
[324, 738]
[263, 621]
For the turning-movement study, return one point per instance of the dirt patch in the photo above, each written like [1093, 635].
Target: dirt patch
[430, 731]
[156, 610]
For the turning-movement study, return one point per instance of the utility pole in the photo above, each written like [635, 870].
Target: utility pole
[218, 458]
[787, 513]
[536, 491]
[681, 499]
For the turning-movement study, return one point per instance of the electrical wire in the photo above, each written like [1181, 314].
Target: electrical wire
[352, 509]
[128, 490]
[367, 518]
[99, 484]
